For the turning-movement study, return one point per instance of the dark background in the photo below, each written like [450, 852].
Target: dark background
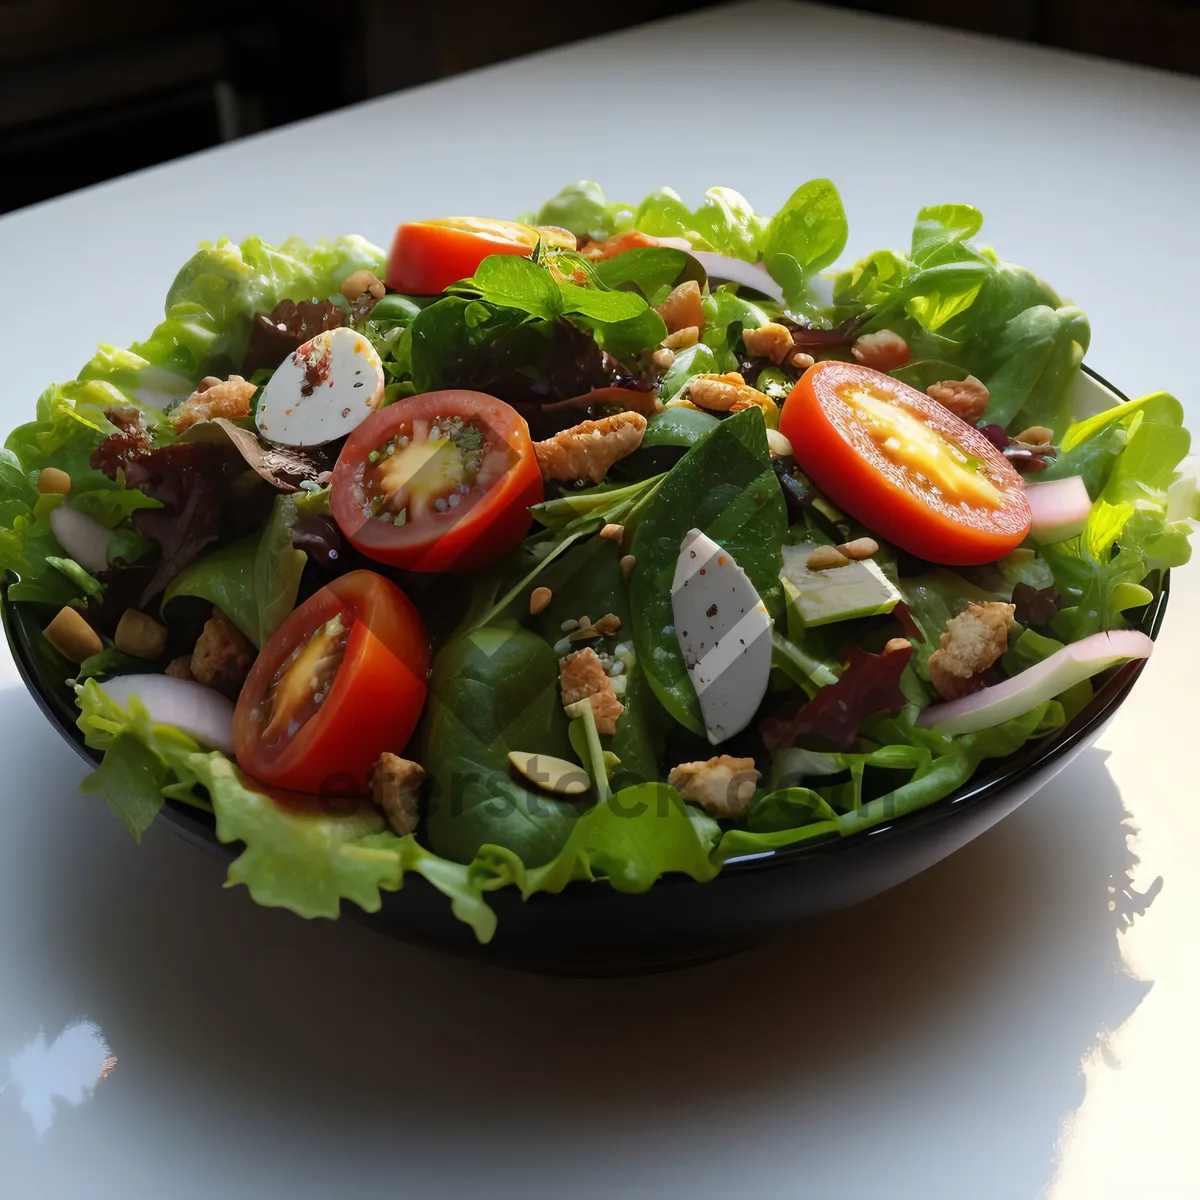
[90, 89]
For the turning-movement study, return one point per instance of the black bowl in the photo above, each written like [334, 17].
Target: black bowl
[590, 929]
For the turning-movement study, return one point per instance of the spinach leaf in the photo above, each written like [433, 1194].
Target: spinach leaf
[648, 268]
[625, 340]
[724, 486]
[493, 690]
[678, 428]
[447, 339]
[699, 359]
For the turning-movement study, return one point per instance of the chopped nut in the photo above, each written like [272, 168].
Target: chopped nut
[354, 285]
[581, 676]
[800, 360]
[609, 623]
[230, 400]
[549, 773]
[53, 482]
[72, 636]
[726, 393]
[180, 668]
[683, 308]
[883, 351]
[971, 643]
[965, 398]
[896, 644]
[662, 359]
[1035, 435]
[140, 635]
[772, 340]
[613, 531]
[862, 547]
[587, 450]
[681, 339]
[627, 565]
[222, 656]
[723, 785]
[778, 445]
[538, 599]
[395, 783]
[825, 558]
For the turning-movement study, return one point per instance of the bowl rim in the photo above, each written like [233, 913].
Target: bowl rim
[1033, 756]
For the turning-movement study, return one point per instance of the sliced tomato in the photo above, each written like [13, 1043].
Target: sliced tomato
[442, 481]
[428, 256]
[904, 465]
[341, 681]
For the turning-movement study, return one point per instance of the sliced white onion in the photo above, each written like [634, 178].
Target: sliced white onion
[197, 710]
[737, 270]
[1060, 509]
[82, 537]
[1043, 681]
[675, 243]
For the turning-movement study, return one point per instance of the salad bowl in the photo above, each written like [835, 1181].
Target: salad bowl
[306, 574]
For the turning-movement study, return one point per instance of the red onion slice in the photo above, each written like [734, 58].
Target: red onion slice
[1051, 677]
[82, 537]
[200, 712]
[737, 270]
[1060, 509]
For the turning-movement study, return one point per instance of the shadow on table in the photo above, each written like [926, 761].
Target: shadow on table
[942, 1024]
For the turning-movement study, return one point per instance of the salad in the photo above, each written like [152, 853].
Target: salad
[606, 543]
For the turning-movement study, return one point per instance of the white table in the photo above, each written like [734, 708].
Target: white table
[1009, 1025]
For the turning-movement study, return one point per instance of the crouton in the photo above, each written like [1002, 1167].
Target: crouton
[723, 786]
[581, 676]
[971, 643]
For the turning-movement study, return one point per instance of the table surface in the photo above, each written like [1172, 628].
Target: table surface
[1018, 1022]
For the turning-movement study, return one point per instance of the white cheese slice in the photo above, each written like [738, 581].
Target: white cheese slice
[322, 391]
[724, 632]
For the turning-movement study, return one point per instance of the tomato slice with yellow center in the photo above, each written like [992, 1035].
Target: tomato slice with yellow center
[442, 481]
[342, 680]
[428, 256]
[904, 465]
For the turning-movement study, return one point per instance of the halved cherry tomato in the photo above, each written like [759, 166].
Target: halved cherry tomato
[904, 465]
[428, 256]
[442, 481]
[339, 682]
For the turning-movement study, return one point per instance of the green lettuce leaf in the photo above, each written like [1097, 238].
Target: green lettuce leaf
[724, 221]
[803, 238]
[1129, 533]
[583, 209]
[112, 506]
[255, 581]
[936, 766]
[958, 303]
